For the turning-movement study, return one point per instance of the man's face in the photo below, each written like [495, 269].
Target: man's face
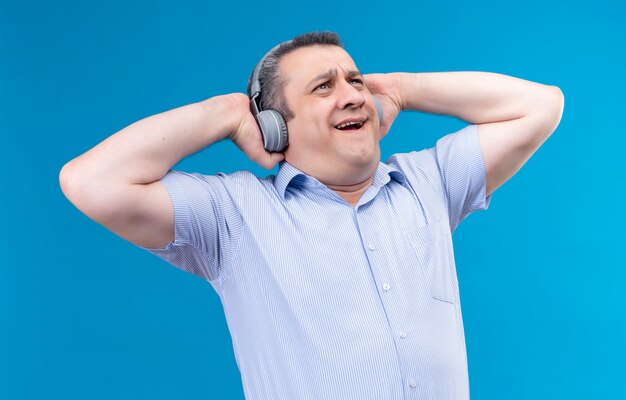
[334, 133]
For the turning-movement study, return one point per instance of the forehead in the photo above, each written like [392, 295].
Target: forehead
[305, 63]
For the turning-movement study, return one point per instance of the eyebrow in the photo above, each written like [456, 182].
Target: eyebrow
[332, 73]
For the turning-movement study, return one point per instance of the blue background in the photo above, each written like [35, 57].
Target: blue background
[84, 314]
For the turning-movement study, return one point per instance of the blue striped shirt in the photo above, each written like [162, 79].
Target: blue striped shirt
[328, 301]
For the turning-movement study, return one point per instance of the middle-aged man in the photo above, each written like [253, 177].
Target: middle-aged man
[337, 275]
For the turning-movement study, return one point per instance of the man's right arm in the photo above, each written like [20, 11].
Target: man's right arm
[117, 183]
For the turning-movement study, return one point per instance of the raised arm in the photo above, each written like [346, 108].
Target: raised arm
[117, 182]
[514, 116]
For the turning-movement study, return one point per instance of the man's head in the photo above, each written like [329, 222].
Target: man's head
[269, 74]
[331, 116]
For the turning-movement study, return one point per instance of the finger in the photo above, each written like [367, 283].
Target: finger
[268, 160]
[273, 159]
[277, 157]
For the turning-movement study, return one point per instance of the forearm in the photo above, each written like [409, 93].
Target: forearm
[475, 97]
[144, 151]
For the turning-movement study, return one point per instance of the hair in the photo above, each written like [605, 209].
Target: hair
[272, 84]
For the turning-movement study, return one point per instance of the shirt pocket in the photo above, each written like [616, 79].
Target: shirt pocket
[432, 245]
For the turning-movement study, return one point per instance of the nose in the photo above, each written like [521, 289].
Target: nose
[349, 96]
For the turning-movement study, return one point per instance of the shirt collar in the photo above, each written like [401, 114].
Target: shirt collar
[288, 175]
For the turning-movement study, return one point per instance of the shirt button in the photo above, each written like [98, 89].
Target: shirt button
[372, 247]
[386, 287]
[412, 383]
[402, 334]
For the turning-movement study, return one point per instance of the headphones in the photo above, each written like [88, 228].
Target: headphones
[271, 123]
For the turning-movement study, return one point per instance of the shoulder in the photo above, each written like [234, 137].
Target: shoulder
[454, 147]
[415, 165]
[239, 192]
[231, 182]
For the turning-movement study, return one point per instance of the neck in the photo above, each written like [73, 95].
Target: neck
[352, 193]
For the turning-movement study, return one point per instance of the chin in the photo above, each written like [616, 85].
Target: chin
[362, 165]
[364, 156]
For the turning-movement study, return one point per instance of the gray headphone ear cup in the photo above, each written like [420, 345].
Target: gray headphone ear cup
[274, 130]
[379, 108]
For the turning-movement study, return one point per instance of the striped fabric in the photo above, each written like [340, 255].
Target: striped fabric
[327, 301]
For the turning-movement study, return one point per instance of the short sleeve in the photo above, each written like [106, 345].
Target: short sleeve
[461, 167]
[207, 223]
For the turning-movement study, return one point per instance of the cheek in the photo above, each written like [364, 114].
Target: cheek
[308, 129]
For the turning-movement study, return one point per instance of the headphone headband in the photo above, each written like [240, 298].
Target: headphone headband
[255, 87]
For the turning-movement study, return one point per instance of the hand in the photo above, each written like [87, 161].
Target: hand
[247, 135]
[384, 87]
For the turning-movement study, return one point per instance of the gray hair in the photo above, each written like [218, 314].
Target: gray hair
[272, 84]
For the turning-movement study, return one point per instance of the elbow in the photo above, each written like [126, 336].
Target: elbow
[72, 182]
[90, 199]
[547, 113]
[68, 180]
[554, 109]
[559, 103]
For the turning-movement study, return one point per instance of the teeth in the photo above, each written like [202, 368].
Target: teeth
[346, 124]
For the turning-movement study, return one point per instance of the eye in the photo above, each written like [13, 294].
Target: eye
[356, 82]
[323, 86]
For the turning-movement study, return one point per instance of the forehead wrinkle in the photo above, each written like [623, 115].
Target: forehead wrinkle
[332, 73]
[293, 78]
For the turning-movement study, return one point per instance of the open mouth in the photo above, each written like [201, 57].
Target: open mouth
[350, 126]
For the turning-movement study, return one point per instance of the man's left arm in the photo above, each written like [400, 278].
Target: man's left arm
[514, 116]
